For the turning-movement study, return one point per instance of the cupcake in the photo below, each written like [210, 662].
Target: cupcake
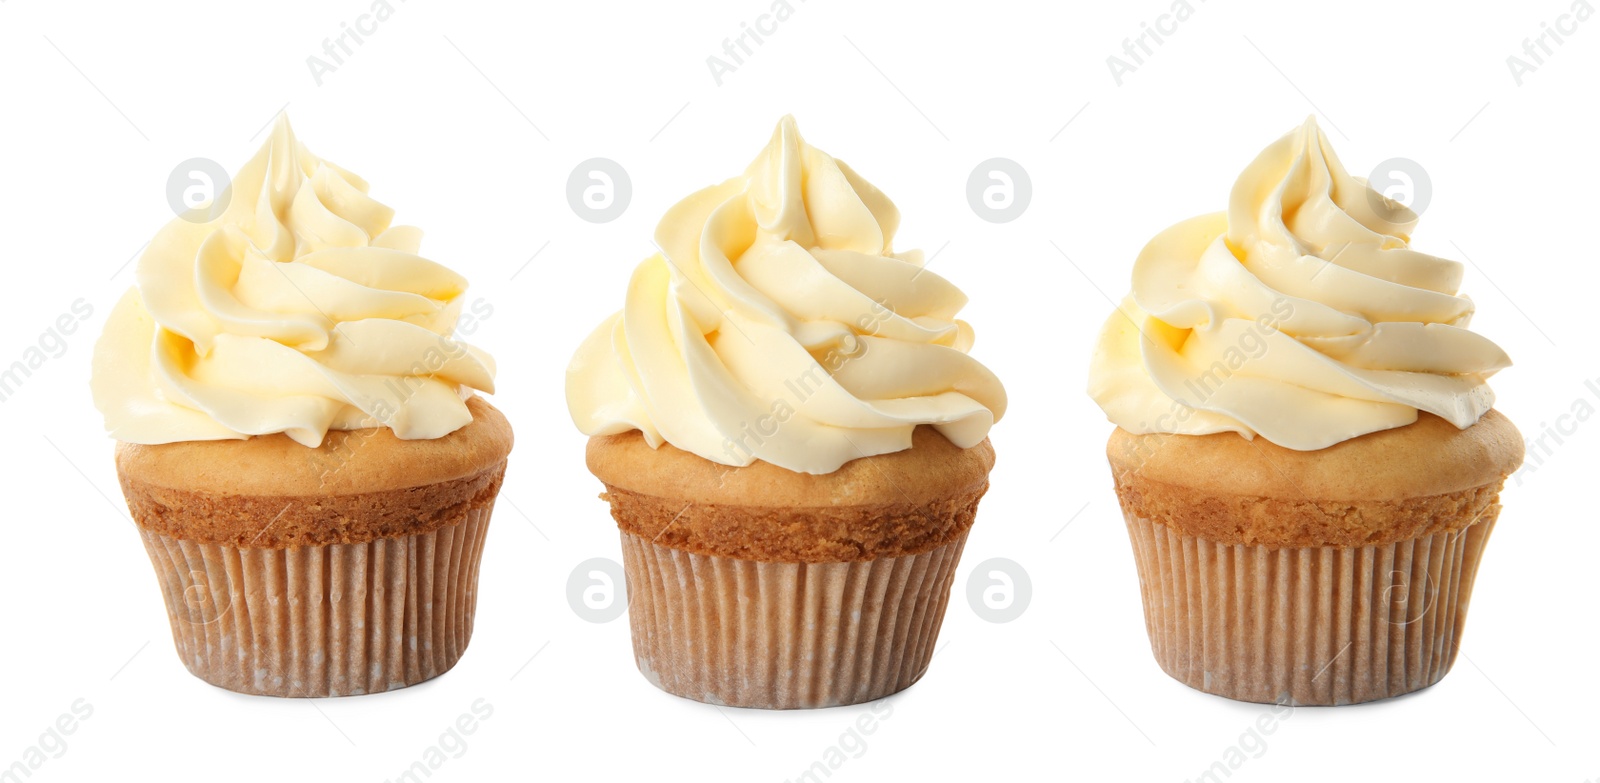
[792, 439]
[1306, 453]
[298, 438]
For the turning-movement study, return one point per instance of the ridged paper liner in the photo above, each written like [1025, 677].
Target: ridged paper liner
[784, 635]
[333, 620]
[1325, 625]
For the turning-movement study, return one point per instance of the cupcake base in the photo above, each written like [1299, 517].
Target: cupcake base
[1322, 625]
[332, 571]
[757, 586]
[743, 633]
[331, 620]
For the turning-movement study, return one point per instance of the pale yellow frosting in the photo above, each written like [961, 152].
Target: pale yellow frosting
[1301, 314]
[778, 324]
[299, 309]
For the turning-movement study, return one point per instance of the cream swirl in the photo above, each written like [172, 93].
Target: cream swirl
[299, 309]
[1301, 314]
[777, 324]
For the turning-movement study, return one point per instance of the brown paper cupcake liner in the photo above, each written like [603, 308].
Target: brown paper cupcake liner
[784, 635]
[332, 620]
[1325, 625]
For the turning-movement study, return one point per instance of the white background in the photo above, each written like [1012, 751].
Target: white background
[438, 110]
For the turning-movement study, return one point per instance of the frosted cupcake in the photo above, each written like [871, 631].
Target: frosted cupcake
[792, 438]
[298, 437]
[1305, 454]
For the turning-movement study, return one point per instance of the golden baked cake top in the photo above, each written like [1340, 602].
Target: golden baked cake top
[1430, 457]
[933, 468]
[348, 461]
[778, 324]
[359, 485]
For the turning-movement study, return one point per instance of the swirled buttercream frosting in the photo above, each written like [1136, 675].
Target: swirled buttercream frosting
[297, 309]
[1301, 314]
[776, 323]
